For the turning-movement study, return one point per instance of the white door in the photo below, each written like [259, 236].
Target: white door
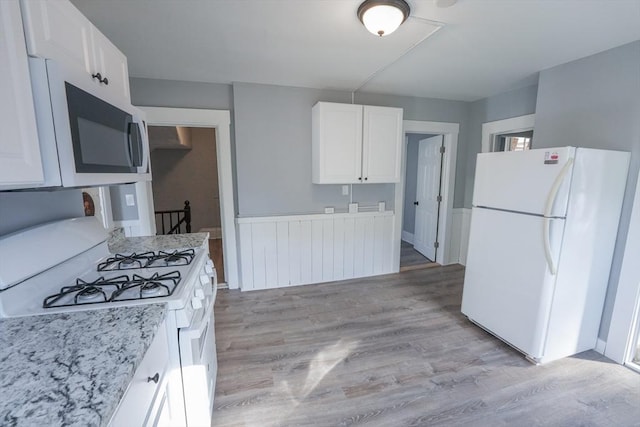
[508, 288]
[427, 193]
[521, 181]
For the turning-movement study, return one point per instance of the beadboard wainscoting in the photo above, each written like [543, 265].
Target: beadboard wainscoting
[461, 220]
[291, 250]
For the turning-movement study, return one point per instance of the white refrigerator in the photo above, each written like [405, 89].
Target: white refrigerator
[543, 229]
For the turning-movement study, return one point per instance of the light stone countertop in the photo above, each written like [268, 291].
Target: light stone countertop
[124, 245]
[72, 369]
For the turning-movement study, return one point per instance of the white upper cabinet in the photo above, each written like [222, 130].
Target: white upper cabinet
[381, 144]
[337, 143]
[355, 144]
[20, 161]
[57, 30]
[111, 64]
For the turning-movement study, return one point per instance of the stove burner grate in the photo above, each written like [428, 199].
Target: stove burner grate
[157, 285]
[126, 262]
[121, 288]
[171, 259]
[147, 260]
[86, 292]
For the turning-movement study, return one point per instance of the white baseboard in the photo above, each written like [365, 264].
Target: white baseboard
[600, 346]
[407, 237]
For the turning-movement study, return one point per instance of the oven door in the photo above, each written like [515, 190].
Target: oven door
[199, 365]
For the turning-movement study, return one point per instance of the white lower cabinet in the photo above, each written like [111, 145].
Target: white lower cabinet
[146, 401]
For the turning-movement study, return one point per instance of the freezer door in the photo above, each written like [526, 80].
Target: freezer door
[523, 181]
[508, 286]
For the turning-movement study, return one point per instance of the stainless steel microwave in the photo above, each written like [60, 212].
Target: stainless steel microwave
[87, 138]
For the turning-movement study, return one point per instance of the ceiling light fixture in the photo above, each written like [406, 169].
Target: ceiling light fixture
[383, 17]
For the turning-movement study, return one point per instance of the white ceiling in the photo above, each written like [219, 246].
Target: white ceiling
[485, 47]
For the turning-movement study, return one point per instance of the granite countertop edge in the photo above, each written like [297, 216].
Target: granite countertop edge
[72, 369]
[118, 243]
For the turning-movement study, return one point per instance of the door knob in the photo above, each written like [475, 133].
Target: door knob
[416, 203]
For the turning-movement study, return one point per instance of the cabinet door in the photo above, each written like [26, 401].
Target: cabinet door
[111, 64]
[337, 143]
[381, 144]
[57, 30]
[20, 161]
[137, 405]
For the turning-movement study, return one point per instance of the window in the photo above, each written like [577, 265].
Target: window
[513, 142]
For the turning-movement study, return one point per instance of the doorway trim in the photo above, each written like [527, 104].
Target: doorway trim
[450, 132]
[623, 328]
[512, 125]
[220, 120]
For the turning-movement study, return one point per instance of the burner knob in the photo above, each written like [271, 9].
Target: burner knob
[209, 269]
[196, 303]
[199, 293]
[204, 279]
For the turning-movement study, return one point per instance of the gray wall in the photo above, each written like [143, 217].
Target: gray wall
[506, 105]
[271, 140]
[410, 182]
[180, 175]
[23, 209]
[179, 94]
[595, 102]
[273, 147]
[273, 153]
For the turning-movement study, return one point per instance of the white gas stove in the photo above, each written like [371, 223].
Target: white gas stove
[69, 268]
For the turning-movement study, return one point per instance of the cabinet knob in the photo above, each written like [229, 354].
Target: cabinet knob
[360, 179]
[416, 203]
[366, 178]
[154, 378]
[105, 81]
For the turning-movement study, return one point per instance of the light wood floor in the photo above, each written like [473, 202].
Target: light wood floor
[395, 351]
[410, 258]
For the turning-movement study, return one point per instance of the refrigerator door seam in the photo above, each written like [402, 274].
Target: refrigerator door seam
[518, 212]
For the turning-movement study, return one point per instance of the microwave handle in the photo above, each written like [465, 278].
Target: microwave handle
[135, 144]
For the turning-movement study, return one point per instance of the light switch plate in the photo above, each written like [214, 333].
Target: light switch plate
[130, 200]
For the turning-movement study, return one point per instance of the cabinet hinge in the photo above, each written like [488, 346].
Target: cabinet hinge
[439, 199]
[436, 245]
[442, 149]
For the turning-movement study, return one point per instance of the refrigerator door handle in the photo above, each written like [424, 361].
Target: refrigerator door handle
[548, 210]
[547, 245]
[553, 192]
